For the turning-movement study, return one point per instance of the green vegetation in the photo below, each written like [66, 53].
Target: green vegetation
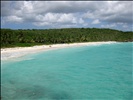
[13, 38]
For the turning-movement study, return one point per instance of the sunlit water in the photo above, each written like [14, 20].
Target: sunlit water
[100, 72]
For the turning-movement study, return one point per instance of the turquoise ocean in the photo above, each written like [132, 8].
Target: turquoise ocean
[98, 72]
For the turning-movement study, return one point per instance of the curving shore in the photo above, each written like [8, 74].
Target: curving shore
[8, 53]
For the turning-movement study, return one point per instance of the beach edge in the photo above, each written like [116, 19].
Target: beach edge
[7, 53]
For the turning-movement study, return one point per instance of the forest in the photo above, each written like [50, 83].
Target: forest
[31, 37]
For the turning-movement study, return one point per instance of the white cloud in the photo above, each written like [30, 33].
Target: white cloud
[68, 13]
[96, 21]
[13, 19]
[66, 18]
[57, 18]
[42, 23]
[125, 26]
[109, 25]
[113, 11]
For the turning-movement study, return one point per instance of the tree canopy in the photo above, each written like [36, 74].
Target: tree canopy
[31, 37]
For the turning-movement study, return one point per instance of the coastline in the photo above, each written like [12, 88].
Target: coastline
[8, 53]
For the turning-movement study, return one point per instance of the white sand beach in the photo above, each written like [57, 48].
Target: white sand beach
[8, 53]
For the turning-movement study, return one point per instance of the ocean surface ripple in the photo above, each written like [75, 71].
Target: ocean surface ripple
[102, 72]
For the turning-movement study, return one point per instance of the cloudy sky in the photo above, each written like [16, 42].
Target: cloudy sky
[65, 14]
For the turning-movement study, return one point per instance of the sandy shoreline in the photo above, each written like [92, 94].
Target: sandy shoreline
[8, 53]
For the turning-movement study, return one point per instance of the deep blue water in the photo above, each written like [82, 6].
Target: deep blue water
[102, 72]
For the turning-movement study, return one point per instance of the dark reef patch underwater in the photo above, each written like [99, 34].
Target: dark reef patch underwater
[99, 72]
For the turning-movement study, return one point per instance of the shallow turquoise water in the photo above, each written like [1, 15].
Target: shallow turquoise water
[102, 72]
